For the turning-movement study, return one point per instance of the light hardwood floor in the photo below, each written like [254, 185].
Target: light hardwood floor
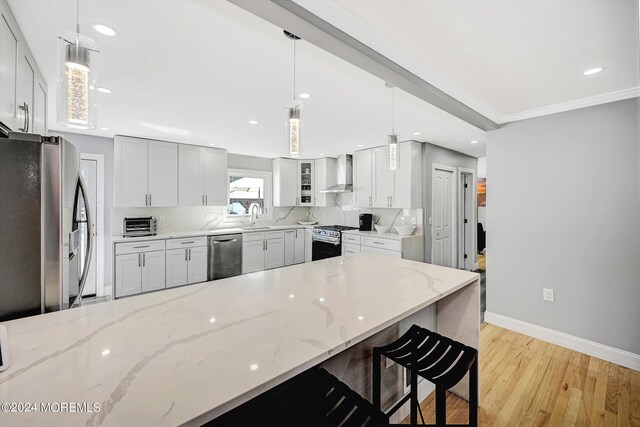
[528, 382]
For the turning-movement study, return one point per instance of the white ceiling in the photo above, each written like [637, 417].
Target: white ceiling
[507, 59]
[208, 67]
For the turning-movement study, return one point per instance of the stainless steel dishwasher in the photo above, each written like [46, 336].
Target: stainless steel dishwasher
[224, 256]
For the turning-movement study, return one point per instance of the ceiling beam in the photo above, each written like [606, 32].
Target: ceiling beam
[289, 15]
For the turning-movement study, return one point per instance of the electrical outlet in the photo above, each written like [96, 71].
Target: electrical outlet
[161, 218]
[547, 294]
[208, 216]
[388, 363]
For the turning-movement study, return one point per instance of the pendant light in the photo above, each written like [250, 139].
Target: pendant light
[393, 138]
[293, 123]
[76, 79]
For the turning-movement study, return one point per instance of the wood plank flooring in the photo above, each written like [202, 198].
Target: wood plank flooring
[528, 382]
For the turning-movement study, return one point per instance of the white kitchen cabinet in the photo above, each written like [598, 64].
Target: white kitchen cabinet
[253, 256]
[325, 176]
[285, 181]
[383, 178]
[202, 176]
[369, 249]
[177, 267]
[40, 108]
[197, 271]
[153, 271]
[299, 246]
[163, 173]
[274, 253]
[308, 245]
[191, 174]
[362, 185]
[21, 107]
[408, 176]
[216, 181]
[306, 182]
[350, 248]
[24, 89]
[289, 247]
[376, 185]
[8, 70]
[128, 274]
[131, 162]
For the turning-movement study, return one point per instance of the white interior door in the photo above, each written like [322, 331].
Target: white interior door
[443, 217]
[89, 172]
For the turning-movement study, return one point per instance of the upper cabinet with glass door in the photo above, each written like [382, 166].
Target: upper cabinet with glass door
[294, 182]
[306, 184]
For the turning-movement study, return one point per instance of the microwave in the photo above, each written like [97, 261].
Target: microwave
[140, 226]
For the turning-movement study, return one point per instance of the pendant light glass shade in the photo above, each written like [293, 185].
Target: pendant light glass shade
[76, 106]
[393, 152]
[294, 131]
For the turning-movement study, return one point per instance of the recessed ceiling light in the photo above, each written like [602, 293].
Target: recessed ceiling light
[104, 128]
[592, 71]
[105, 352]
[165, 129]
[322, 154]
[211, 144]
[305, 95]
[417, 133]
[103, 90]
[253, 367]
[360, 145]
[104, 30]
[475, 141]
[253, 122]
[212, 320]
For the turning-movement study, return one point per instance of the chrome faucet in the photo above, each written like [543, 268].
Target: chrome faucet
[254, 218]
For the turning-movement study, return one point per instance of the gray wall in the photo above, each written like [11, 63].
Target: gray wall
[434, 154]
[104, 146]
[563, 212]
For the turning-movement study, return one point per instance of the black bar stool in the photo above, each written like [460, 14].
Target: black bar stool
[438, 359]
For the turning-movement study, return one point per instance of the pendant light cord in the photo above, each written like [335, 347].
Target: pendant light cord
[78, 16]
[393, 110]
[294, 68]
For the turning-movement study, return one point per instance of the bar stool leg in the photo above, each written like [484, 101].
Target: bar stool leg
[473, 394]
[414, 397]
[441, 406]
[376, 379]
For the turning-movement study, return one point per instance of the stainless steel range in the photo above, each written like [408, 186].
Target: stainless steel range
[327, 241]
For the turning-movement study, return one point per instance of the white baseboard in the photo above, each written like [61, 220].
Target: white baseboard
[591, 348]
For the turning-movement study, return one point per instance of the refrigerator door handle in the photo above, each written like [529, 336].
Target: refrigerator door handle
[81, 187]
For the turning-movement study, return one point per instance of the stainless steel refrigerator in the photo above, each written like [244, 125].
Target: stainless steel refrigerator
[44, 214]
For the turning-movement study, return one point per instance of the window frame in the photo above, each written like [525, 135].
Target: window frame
[268, 194]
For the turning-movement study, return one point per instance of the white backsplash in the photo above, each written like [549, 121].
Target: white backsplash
[194, 218]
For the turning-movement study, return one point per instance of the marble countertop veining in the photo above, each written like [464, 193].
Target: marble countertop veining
[166, 358]
[200, 233]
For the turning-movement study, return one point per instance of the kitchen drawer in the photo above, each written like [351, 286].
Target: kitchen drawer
[350, 248]
[388, 244]
[372, 250]
[252, 237]
[350, 238]
[140, 246]
[274, 235]
[190, 242]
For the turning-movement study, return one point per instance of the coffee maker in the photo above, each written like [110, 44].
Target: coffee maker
[366, 222]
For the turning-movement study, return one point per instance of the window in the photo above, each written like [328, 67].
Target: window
[248, 189]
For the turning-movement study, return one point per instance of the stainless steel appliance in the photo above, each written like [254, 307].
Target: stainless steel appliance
[345, 176]
[136, 227]
[45, 220]
[366, 222]
[225, 256]
[327, 241]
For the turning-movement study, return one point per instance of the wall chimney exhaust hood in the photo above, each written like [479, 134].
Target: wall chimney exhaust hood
[345, 176]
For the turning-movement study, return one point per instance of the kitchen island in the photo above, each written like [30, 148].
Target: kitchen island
[187, 355]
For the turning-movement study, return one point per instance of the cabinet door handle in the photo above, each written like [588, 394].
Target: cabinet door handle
[189, 254]
[144, 260]
[266, 245]
[206, 199]
[186, 243]
[369, 201]
[390, 201]
[139, 260]
[149, 199]
[140, 247]
[185, 254]
[25, 107]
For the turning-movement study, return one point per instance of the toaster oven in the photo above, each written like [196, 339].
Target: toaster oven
[140, 226]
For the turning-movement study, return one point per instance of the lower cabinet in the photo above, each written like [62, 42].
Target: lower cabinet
[300, 246]
[410, 247]
[308, 245]
[186, 261]
[263, 251]
[139, 272]
[294, 246]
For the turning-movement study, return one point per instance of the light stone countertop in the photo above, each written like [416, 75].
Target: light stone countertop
[200, 233]
[167, 358]
[392, 236]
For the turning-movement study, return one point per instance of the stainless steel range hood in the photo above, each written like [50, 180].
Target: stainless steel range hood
[345, 176]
